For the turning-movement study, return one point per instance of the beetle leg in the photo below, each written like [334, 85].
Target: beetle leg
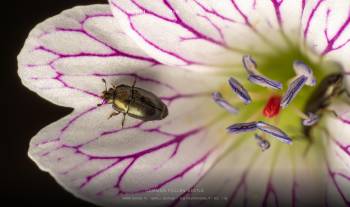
[347, 94]
[105, 82]
[331, 111]
[311, 141]
[113, 114]
[124, 114]
[123, 120]
[345, 91]
[134, 83]
[132, 88]
[308, 146]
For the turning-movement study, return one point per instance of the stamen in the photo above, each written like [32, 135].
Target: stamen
[299, 113]
[239, 90]
[242, 127]
[274, 131]
[217, 97]
[249, 64]
[263, 143]
[254, 75]
[301, 68]
[264, 81]
[311, 120]
[293, 90]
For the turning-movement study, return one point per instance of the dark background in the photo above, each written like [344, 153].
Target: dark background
[27, 113]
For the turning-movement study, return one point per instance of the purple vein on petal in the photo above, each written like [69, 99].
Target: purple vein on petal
[176, 140]
[245, 17]
[249, 24]
[199, 161]
[184, 60]
[58, 77]
[242, 182]
[213, 12]
[193, 30]
[345, 149]
[134, 157]
[116, 52]
[178, 20]
[336, 184]
[277, 4]
[83, 31]
[330, 42]
[311, 16]
[270, 189]
[70, 122]
[138, 78]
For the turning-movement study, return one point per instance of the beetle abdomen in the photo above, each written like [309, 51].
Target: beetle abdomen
[147, 108]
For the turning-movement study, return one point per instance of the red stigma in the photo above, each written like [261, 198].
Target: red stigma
[272, 108]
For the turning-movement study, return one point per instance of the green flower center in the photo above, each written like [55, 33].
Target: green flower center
[264, 105]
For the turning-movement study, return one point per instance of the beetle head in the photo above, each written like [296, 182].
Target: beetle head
[108, 95]
[336, 79]
[336, 82]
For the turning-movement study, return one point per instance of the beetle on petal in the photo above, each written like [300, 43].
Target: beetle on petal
[135, 102]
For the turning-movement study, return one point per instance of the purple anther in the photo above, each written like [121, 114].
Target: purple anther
[311, 120]
[264, 81]
[300, 68]
[242, 127]
[239, 90]
[263, 143]
[249, 64]
[293, 90]
[274, 131]
[217, 97]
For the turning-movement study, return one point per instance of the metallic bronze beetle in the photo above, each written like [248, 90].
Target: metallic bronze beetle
[331, 86]
[134, 102]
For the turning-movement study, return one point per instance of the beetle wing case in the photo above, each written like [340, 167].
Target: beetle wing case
[146, 106]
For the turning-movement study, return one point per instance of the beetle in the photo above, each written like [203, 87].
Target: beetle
[331, 86]
[134, 102]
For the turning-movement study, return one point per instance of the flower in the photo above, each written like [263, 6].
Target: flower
[183, 51]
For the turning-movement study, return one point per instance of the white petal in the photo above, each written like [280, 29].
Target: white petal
[96, 160]
[278, 176]
[175, 32]
[326, 30]
[338, 161]
[65, 57]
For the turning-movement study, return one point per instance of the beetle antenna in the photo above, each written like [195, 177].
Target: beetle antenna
[132, 87]
[332, 112]
[346, 92]
[134, 83]
[123, 120]
[103, 80]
